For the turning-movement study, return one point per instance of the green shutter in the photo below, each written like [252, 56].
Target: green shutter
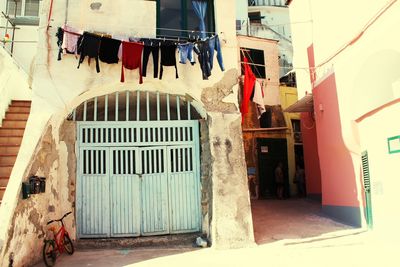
[367, 188]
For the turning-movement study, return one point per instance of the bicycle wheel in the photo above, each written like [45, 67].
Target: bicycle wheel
[49, 253]
[69, 247]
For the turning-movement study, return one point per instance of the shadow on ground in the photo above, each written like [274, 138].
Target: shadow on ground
[296, 218]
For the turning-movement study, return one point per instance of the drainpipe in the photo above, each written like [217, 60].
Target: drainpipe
[13, 31]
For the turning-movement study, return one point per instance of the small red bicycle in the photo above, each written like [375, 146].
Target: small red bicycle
[58, 244]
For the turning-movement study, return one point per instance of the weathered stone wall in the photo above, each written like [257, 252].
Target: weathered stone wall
[28, 228]
[232, 224]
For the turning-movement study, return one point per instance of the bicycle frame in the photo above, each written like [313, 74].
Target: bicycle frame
[60, 234]
[59, 239]
[59, 243]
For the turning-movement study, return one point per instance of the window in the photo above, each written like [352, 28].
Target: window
[25, 8]
[297, 131]
[256, 61]
[255, 17]
[180, 15]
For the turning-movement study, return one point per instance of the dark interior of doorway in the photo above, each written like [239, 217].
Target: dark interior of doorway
[299, 160]
[270, 153]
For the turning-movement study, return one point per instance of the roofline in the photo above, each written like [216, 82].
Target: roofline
[257, 38]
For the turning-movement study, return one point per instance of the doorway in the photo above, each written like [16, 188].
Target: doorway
[270, 152]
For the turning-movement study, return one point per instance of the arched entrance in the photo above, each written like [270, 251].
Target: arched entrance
[138, 166]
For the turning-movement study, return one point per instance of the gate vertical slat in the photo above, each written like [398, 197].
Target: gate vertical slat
[178, 108]
[84, 110]
[158, 106]
[188, 111]
[179, 158]
[112, 135]
[116, 105]
[106, 108]
[95, 109]
[147, 106]
[179, 137]
[168, 111]
[138, 106]
[127, 106]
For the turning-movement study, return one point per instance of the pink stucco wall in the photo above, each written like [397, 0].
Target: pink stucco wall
[337, 170]
[311, 160]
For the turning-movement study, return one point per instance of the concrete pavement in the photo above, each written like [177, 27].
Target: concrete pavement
[288, 233]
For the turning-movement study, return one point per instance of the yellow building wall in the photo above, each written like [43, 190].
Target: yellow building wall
[288, 96]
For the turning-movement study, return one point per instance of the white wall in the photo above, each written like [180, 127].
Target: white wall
[25, 45]
[276, 17]
[275, 25]
[374, 133]
[366, 74]
[242, 15]
[14, 82]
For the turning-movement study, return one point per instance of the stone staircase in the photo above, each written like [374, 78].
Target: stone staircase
[11, 133]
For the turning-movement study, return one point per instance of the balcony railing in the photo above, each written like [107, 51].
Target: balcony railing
[280, 3]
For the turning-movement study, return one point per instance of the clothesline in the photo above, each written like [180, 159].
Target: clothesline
[6, 42]
[163, 37]
[168, 29]
[113, 49]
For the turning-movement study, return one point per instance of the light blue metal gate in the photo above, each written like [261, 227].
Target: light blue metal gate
[184, 191]
[138, 178]
[124, 192]
[155, 210]
[92, 191]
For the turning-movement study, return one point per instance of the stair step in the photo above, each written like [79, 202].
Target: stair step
[5, 171]
[3, 181]
[16, 116]
[19, 109]
[11, 140]
[9, 149]
[7, 159]
[2, 191]
[21, 103]
[13, 123]
[12, 131]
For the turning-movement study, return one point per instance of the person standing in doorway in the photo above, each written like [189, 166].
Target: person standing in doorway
[300, 180]
[279, 180]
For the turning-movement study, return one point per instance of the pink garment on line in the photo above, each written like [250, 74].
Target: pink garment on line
[70, 39]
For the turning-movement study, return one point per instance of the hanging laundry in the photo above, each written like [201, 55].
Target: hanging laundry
[132, 58]
[90, 46]
[258, 99]
[70, 40]
[248, 87]
[205, 51]
[168, 57]
[215, 45]
[109, 50]
[150, 47]
[60, 37]
[186, 53]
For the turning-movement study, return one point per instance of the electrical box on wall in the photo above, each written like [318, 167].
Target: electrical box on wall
[35, 185]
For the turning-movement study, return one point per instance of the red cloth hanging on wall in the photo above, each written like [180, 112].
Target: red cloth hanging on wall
[248, 87]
